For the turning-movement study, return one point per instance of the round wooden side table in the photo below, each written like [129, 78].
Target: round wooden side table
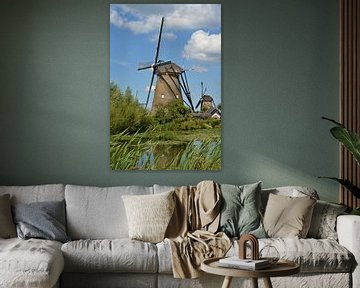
[281, 268]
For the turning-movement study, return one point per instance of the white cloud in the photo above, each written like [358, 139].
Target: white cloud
[203, 46]
[194, 16]
[145, 18]
[116, 19]
[136, 26]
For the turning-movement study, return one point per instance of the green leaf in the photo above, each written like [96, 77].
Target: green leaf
[349, 139]
[347, 184]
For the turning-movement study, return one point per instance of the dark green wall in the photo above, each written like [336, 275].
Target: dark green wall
[280, 75]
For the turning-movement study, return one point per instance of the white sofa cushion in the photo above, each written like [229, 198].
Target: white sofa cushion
[30, 263]
[98, 213]
[313, 255]
[116, 255]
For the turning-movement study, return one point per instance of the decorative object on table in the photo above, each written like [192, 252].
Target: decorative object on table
[351, 141]
[269, 253]
[241, 261]
[158, 121]
[254, 246]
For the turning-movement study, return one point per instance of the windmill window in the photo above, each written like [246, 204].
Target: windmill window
[177, 96]
[162, 96]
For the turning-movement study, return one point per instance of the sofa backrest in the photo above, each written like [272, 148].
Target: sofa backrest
[163, 188]
[293, 191]
[98, 212]
[36, 193]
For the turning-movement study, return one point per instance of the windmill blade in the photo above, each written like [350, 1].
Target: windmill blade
[187, 90]
[155, 62]
[148, 65]
[159, 41]
[197, 105]
[145, 65]
[148, 96]
[161, 63]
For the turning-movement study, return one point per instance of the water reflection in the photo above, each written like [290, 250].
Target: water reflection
[163, 154]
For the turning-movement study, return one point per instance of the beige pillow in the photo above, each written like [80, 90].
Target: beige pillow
[149, 215]
[7, 226]
[288, 217]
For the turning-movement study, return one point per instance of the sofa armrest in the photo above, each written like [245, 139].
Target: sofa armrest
[348, 230]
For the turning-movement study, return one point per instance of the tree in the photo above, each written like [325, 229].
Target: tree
[126, 113]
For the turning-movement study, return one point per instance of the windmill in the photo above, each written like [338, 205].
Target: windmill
[206, 102]
[171, 80]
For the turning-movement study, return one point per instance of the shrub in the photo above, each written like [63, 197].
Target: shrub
[173, 111]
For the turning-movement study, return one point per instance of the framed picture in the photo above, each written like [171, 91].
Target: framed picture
[165, 86]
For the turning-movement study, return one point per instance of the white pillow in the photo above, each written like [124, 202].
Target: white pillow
[149, 215]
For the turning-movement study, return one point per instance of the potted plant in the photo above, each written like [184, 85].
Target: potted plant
[351, 142]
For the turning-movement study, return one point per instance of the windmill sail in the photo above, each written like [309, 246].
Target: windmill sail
[152, 65]
[171, 79]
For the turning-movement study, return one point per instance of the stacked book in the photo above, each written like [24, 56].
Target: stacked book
[248, 264]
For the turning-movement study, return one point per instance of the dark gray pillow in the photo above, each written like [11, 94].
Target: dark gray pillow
[44, 220]
[240, 213]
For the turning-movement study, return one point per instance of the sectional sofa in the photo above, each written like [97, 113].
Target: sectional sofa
[100, 253]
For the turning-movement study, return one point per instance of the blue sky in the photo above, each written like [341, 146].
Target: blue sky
[191, 38]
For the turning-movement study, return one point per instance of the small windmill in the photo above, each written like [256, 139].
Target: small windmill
[206, 102]
[171, 80]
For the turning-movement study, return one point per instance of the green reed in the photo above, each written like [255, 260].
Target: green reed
[136, 152]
